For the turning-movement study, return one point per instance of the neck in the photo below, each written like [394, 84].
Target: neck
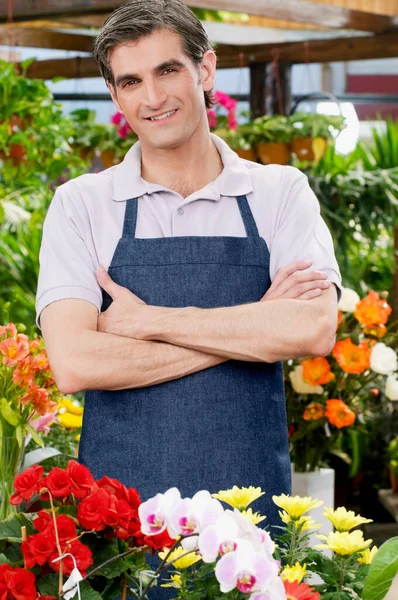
[184, 169]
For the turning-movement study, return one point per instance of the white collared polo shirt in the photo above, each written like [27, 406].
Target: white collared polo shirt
[85, 219]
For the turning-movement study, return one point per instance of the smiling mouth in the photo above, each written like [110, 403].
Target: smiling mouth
[165, 115]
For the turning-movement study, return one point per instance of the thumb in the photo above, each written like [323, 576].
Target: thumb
[107, 283]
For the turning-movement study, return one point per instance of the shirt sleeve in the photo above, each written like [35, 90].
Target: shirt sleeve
[66, 267]
[301, 233]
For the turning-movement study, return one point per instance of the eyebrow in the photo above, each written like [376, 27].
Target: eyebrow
[164, 65]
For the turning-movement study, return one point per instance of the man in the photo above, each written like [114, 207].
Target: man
[182, 366]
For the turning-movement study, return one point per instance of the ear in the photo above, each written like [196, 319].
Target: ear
[208, 70]
[112, 92]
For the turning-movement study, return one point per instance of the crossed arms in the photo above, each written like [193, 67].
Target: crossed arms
[133, 344]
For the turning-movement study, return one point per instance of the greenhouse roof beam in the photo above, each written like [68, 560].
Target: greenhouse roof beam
[301, 11]
[45, 38]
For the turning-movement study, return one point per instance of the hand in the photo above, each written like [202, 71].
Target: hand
[125, 310]
[296, 281]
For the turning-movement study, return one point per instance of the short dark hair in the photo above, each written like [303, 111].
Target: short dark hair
[138, 18]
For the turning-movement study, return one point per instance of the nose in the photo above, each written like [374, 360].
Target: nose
[154, 95]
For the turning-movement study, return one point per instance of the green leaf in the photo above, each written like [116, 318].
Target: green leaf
[382, 571]
[10, 528]
[36, 456]
[11, 416]
[87, 592]
[48, 585]
[35, 435]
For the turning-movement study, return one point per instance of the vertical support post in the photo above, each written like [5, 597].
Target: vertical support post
[270, 92]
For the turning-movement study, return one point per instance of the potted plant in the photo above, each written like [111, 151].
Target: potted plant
[310, 133]
[272, 134]
[393, 463]
[240, 140]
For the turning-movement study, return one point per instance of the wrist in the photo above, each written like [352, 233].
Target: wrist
[165, 324]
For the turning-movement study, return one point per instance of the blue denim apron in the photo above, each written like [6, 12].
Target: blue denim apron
[223, 426]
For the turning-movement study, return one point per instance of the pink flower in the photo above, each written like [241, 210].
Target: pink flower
[124, 130]
[193, 516]
[116, 119]
[212, 116]
[154, 513]
[218, 539]
[232, 122]
[43, 422]
[245, 569]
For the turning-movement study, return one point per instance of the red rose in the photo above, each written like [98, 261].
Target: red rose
[113, 487]
[159, 541]
[3, 570]
[4, 592]
[42, 520]
[21, 584]
[83, 557]
[124, 511]
[66, 528]
[58, 482]
[134, 498]
[91, 510]
[81, 479]
[27, 484]
[41, 547]
[28, 557]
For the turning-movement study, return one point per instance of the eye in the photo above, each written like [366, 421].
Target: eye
[170, 70]
[130, 82]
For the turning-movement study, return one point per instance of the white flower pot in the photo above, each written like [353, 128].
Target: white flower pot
[319, 485]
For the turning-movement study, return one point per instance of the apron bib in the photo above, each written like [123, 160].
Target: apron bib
[223, 426]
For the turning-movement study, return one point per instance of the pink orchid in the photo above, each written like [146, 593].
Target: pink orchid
[260, 539]
[154, 513]
[274, 590]
[218, 539]
[193, 516]
[245, 569]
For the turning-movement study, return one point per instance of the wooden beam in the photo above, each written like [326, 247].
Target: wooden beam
[45, 38]
[341, 49]
[301, 11]
[72, 68]
[317, 51]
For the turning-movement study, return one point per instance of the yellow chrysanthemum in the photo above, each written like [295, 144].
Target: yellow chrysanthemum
[295, 573]
[70, 421]
[255, 518]
[66, 405]
[175, 582]
[367, 555]
[343, 519]
[343, 542]
[239, 497]
[180, 563]
[305, 522]
[296, 506]
[77, 437]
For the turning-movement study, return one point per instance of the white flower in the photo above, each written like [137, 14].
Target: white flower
[193, 515]
[383, 359]
[274, 590]
[218, 539]
[154, 513]
[245, 569]
[300, 386]
[349, 300]
[392, 387]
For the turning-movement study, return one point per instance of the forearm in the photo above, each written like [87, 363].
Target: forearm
[110, 362]
[262, 331]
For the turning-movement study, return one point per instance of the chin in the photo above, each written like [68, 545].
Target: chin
[168, 142]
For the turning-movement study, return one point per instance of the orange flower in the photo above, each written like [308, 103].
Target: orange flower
[338, 413]
[351, 358]
[339, 318]
[39, 398]
[316, 371]
[378, 331]
[313, 412]
[24, 374]
[6, 329]
[14, 349]
[372, 310]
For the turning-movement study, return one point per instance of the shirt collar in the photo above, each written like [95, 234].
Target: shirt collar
[234, 180]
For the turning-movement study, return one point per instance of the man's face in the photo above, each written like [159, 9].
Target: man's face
[155, 78]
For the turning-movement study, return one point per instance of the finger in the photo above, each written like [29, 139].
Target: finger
[302, 288]
[107, 283]
[310, 294]
[301, 277]
[287, 270]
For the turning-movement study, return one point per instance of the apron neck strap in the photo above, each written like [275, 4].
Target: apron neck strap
[247, 217]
